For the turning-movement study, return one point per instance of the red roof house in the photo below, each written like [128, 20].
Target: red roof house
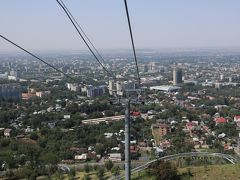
[220, 120]
[135, 113]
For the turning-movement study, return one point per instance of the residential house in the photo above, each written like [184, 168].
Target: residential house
[82, 157]
[114, 157]
[7, 132]
[220, 120]
[135, 113]
[29, 129]
[237, 120]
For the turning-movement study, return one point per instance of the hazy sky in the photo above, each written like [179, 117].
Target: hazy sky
[42, 25]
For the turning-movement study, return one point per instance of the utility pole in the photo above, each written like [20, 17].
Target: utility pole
[127, 142]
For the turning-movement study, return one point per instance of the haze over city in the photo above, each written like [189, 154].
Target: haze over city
[157, 97]
[157, 24]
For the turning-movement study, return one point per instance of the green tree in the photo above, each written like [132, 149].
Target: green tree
[100, 173]
[14, 146]
[86, 168]
[162, 170]
[5, 142]
[99, 148]
[10, 174]
[72, 173]
[115, 171]
[96, 114]
[11, 162]
[50, 170]
[210, 139]
[108, 164]
[59, 175]
[109, 113]
[86, 177]
[49, 158]
[34, 136]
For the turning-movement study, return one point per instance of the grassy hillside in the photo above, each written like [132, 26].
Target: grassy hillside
[212, 172]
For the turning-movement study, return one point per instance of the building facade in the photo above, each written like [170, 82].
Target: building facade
[177, 76]
[95, 91]
[159, 130]
[10, 92]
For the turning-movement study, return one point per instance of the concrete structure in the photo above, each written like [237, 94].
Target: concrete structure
[119, 88]
[4, 76]
[73, 87]
[115, 157]
[95, 91]
[12, 78]
[165, 88]
[218, 85]
[82, 157]
[10, 92]
[27, 96]
[159, 130]
[221, 77]
[105, 119]
[177, 76]
[122, 88]
[7, 132]
[189, 81]
[111, 86]
[43, 93]
[162, 129]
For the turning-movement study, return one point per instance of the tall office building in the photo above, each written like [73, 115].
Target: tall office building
[73, 87]
[111, 86]
[119, 88]
[152, 66]
[177, 76]
[221, 77]
[95, 91]
[10, 92]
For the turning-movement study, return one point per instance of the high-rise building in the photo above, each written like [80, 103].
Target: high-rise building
[73, 87]
[119, 88]
[145, 68]
[221, 77]
[111, 86]
[159, 130]
[14, 73]
[10, 92]
[152, 66]
[95, 91]
[177, 76]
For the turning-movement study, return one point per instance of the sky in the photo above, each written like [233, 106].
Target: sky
[41, 25]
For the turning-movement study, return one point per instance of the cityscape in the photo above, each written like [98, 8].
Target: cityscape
[188, 106]
[119, 113]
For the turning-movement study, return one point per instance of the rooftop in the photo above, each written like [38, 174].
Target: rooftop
[165, 88]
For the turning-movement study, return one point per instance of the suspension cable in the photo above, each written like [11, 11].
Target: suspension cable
[132, 41]
[80, 34]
